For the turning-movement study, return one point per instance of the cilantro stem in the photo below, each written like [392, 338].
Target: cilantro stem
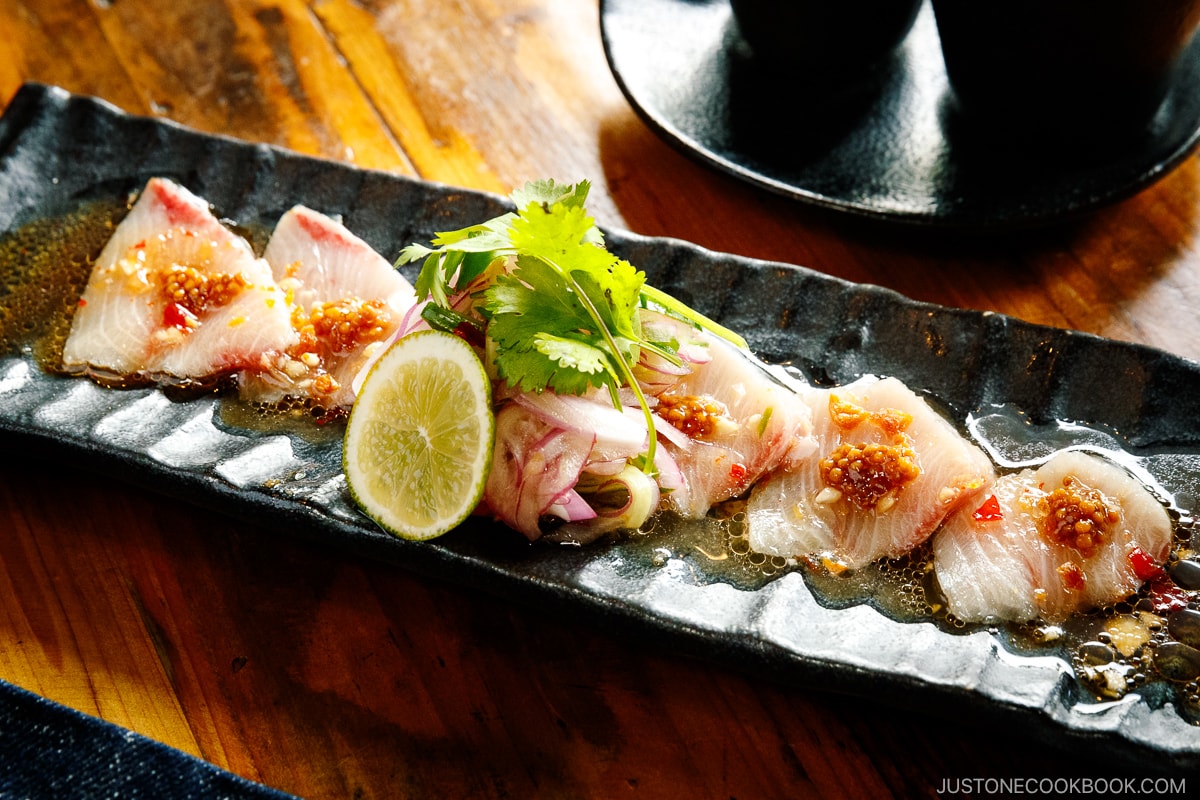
[622, 366]
[666, 301]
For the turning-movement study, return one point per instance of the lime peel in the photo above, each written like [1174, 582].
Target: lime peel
[419, 441]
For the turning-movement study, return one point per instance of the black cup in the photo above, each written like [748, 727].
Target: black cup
[826, 38]
[1061, 71]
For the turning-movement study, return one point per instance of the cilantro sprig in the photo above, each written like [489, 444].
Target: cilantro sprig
[565, 316]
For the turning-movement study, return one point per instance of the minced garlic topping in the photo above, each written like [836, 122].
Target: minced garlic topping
[700, 417]
[1078, 516]
[872, 475]
[197, 292]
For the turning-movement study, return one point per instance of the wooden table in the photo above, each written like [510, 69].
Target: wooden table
[328, 676]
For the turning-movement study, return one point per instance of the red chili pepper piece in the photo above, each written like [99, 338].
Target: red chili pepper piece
[1143, 564]
[176, 316]
[990, 511]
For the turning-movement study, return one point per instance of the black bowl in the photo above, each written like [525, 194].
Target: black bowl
[1063, 69]
[825, 39]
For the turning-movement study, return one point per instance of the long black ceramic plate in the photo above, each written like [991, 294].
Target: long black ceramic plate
[894, 150]
[58, 151]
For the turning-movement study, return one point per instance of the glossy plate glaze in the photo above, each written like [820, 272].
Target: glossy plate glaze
[58, 152]
[888, 147]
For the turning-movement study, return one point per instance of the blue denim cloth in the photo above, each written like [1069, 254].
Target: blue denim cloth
[51, 751]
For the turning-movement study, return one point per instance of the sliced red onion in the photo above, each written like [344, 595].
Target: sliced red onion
[656, 375]
[612, 467]
[572, 507]
[693, 342]
[534, 466]
[617, 436]
[670, 476]
[694, 352]
[641, 495]
[411, 321]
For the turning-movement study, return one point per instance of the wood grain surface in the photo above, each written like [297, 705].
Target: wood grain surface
[327, 676]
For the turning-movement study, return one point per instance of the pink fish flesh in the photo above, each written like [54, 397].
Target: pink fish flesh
[741, 422]
[346, 302]
[175, 296]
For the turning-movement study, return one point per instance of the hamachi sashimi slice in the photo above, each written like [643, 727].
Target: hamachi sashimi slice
[175, 296]
[1024, 555]
[346, 301]
[888, 469]
[741, 422]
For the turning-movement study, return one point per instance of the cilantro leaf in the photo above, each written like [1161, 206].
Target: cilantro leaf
[616, 290]
[575, 355]
[565, 315]
[552, 232]
[547, 193]
[524, 321]
[532, 299]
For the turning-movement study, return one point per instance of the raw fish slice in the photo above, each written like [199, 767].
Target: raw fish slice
[998, 561]
[175, 296]
[346, 301]
[923, 469]
[328, 262]
[741, 422]
[988, 566]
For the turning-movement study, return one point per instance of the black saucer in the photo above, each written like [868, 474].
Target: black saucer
[889, 144]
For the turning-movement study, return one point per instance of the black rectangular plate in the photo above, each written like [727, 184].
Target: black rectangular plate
[60, 151]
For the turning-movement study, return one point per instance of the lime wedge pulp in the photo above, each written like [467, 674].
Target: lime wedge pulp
[418, 444]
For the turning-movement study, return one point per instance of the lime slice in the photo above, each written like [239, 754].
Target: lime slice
[418, 444]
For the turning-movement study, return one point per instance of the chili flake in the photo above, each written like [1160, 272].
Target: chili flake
[1144, 565]
[989, 511]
